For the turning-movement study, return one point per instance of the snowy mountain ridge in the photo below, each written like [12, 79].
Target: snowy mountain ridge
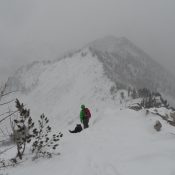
[128, 65]
[119, 141]
[53, 88]
[123, 62]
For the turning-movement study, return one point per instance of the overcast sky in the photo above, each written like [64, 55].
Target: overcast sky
[44, 29]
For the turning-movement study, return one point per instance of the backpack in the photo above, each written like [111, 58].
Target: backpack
[87, 113]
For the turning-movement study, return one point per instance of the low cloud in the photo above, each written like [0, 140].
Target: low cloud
[42, 29]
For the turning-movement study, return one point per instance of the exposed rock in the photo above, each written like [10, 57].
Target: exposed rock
[172, 115]
[136, 107]
[157, 125]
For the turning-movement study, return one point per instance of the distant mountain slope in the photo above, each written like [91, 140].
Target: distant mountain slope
[59, 88]
[127, 64]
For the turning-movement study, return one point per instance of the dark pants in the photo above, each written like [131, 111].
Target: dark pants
[86, 123]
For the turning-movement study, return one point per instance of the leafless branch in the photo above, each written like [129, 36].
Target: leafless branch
[5, 113]
[2, 95]
[2, 152]
[2, 132]
[8, 116]
[7, 102]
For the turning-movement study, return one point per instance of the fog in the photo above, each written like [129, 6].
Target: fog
[45, 29]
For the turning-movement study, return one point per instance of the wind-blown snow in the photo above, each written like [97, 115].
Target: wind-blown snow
[119, 141]
[59, 89]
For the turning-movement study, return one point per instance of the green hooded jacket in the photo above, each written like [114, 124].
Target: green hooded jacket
[82, 114]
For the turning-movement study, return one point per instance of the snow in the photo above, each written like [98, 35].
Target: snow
[63, 86]
[119, 141]
[127, 64]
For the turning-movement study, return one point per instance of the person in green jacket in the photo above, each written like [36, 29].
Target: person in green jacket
[84, 116]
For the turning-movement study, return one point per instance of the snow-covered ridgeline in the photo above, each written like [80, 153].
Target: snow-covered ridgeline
[59, 89]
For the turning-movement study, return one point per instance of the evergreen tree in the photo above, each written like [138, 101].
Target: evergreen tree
[42, 140]
[134, 94]
[22, 127]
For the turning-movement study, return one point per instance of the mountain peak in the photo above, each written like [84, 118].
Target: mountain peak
[111, 44]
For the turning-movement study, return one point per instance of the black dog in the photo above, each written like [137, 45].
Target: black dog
[78, 128]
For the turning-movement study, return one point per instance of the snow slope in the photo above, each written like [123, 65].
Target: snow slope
[60, 88]
[119, 142]
[128, 65]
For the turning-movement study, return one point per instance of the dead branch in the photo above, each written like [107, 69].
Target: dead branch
[8, 116]
[7, 102]
[2, 95]
[5, 113]
[2, 152]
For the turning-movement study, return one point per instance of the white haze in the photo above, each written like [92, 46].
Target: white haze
[44, 29]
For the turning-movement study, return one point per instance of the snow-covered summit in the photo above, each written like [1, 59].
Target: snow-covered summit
[128, 65]
[121, 45]
[110, 43]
